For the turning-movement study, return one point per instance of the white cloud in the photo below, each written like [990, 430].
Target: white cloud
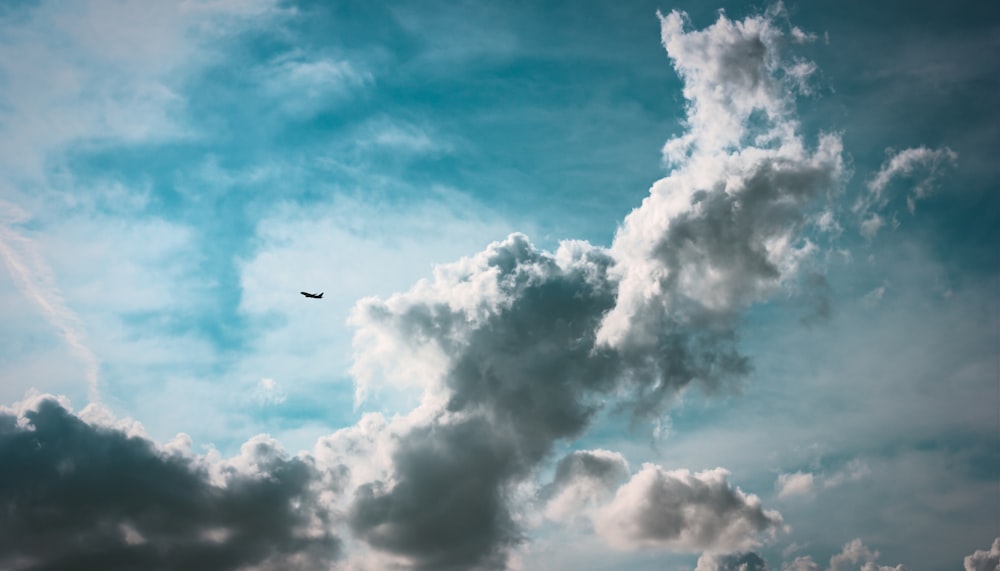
[827, 222]
[686, 511]
[981, 560]
[722, 231]
[802, 37]
[804, 483]
[795, 484]
[854, 555]
[902, 164]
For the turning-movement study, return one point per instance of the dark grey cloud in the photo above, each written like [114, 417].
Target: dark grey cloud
[516, 348]
[81, 496]
[607, 468]
[448, 509]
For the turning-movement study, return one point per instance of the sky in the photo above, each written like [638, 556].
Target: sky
[607, 285]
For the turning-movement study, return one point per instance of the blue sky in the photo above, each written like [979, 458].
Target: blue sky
[582, 255]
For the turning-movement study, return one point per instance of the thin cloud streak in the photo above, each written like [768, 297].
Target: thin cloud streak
[33, 276]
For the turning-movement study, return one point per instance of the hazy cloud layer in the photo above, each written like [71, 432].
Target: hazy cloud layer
[81, 495]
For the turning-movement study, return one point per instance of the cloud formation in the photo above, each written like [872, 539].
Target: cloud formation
[908, 163]
[981, 560]
[82, 495]
[798, 483]
[724, 229]
[516, 348]
[684, 511]
[854, 555]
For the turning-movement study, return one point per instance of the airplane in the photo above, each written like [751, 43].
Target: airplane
[312, 295]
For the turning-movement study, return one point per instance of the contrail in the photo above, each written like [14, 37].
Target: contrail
[35, 280]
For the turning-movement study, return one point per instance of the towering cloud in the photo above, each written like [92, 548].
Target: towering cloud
[516, 348]
[81, 496]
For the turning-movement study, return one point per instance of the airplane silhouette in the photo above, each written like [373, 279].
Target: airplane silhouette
[312, 295]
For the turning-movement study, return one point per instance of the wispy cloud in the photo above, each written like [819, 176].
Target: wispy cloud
[33, 276]
[924, 166]
[795, 484]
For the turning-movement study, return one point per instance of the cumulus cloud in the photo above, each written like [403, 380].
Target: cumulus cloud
[734, 562]
[685, 511]
[723, 230]
[981, 560]
[854, 555]
[516, 348]
[656, 508]
[82, 495]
